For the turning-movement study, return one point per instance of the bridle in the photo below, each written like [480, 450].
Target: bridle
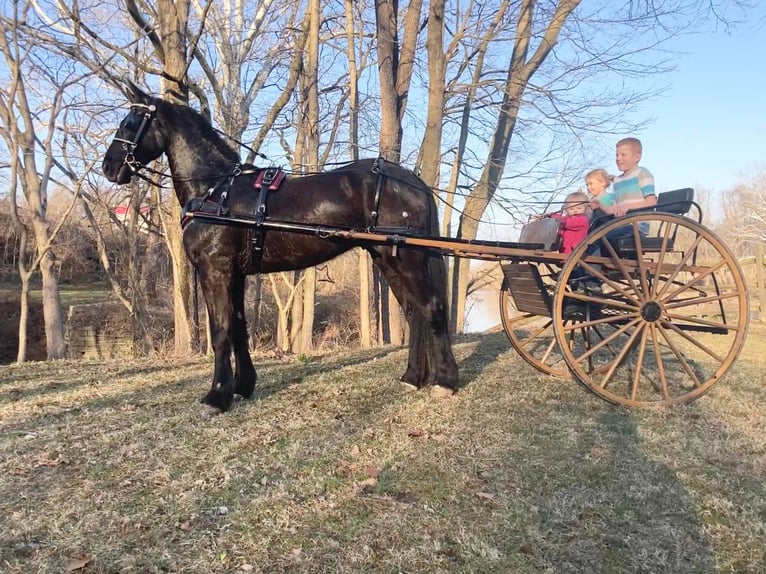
[130, 146]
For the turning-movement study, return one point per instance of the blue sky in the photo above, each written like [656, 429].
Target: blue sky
[710, 126]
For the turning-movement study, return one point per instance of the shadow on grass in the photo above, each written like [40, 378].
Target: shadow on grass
[616, 509]
[488, 348]
[272, 380]
[21, 383]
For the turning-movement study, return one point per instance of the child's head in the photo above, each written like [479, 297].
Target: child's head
[628, 154]
[576, 203]
[597, 181]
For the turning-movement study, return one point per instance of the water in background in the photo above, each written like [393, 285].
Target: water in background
[483, 311]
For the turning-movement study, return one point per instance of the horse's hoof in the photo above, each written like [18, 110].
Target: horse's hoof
[218, 401]
[440, 392]
[245, 394]
[244, 389]
[410, 378]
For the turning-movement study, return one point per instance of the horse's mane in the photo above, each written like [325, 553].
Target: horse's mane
[193, 122]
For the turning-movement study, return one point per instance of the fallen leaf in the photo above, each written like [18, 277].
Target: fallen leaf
[598, 452]
[354, 450]
[372, 472]
[486, 496]
[406, 498]
[45, 461]
[78, 564]
[368, 483]
[439, 392]
[526, 548]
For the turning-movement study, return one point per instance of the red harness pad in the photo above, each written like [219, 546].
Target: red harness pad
[271, 177]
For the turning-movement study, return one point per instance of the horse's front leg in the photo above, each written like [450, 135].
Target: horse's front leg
[220, 311]
[245, 374]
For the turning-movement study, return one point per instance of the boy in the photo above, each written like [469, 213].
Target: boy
[634, 188]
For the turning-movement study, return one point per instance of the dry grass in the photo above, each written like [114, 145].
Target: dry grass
[335, 467]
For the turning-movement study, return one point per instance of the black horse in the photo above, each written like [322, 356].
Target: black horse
[360, 195]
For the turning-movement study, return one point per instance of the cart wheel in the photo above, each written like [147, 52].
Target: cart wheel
[661, 317]
[532, 337]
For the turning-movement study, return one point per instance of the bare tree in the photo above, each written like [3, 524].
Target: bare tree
[29, 124]
[364, 261]
[540, 94]
[743, 224]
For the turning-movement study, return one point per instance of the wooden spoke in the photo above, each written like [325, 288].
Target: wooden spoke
[532, 337]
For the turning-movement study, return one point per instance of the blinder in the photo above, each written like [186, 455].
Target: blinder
[140, 115]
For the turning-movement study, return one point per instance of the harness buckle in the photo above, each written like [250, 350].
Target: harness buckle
[269, 175]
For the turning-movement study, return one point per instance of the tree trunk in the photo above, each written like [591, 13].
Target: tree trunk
[430, 150]
[363, 261]
[21, 353]
[173, 16]
[395, 72]
[295, 327]
[54, 320]
[309, 304]
[520, 71]
[365, 334]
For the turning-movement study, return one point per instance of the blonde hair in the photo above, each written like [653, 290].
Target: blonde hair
[635, 143]
[577, 197]
[601, 174]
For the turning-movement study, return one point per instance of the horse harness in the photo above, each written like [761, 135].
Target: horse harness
[268, 180]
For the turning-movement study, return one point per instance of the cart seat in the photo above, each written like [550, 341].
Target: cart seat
[543, 232]
[677, 202]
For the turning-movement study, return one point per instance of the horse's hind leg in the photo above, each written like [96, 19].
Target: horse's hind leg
[417, 372]
[246, 376]
[419, 281]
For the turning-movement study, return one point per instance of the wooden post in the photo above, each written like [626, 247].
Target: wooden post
[759, 275]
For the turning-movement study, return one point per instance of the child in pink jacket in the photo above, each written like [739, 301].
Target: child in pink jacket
[574, 222]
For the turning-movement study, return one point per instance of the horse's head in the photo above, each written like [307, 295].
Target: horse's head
[138, 139]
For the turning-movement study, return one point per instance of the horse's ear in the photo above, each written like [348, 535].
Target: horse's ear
[136, 95]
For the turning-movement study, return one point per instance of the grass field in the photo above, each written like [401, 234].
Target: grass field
[336, 467]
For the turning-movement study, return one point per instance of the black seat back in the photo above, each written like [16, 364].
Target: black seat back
[677, 202]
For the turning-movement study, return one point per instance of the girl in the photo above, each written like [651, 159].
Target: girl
[598, 181]
[574, 222]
